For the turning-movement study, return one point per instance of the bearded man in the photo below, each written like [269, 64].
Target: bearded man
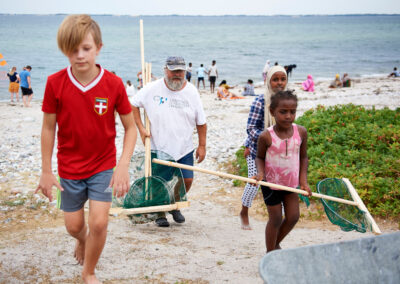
[174, 109]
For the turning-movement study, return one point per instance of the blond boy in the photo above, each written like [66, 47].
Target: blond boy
[81, 100]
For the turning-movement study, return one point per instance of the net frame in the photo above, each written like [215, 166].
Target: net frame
[172, 180]
[355, 202]
[331, 208]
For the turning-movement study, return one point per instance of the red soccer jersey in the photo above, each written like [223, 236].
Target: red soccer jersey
[86, 121]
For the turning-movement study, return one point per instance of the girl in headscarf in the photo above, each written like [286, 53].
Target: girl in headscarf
[259, 119]
[336, 83]
[308, 85]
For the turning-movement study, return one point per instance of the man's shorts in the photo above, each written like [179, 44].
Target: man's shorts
[200, 79]
[77, 192]
[26, 91]
[213, 79]
[273, 197]
[13, 88]
[187, 160]
[188, 76]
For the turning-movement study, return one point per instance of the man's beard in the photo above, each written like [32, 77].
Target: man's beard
[174, 85]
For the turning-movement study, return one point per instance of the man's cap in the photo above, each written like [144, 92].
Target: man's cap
[175, 63]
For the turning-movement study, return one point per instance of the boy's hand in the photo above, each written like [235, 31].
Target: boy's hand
[47, 181]
[306, 188]
[120, 181]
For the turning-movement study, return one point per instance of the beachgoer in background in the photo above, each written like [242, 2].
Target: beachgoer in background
[224, 93]
[308, 85]
[26, 87]
[337, 83]
[282, 159]
[395, 73]
[82, 109]
[200, 75]
[289, 69]
[14, 84]
[259, 119]
[189, 72]
[249, 89]
[276, 64]
[130, 89]
[213, 75]
[172, 121]
[265, 70]
[140, 81]
[346, 81]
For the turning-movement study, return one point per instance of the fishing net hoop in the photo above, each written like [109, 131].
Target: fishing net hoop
[335, 211]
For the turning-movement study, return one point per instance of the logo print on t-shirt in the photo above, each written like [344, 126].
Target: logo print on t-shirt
[100, 106]
[160, 100]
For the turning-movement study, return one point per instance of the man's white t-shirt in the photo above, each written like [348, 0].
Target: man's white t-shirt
[173, 116]
[213, 71]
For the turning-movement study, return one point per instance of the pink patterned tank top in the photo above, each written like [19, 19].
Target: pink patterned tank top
[282, 161]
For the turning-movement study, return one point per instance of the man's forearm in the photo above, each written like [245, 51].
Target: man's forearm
[202, 133]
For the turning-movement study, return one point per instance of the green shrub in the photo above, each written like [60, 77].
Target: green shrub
[240, 166]
[359, 144]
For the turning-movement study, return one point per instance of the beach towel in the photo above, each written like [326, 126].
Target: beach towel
[308, 85]
[268, 118]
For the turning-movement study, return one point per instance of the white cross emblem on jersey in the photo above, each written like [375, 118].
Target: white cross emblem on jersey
[100, 106]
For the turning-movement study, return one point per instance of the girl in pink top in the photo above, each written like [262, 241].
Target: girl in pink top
[308, 85]
[282, 159]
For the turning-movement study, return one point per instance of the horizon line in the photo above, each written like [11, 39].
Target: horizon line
[199, 15]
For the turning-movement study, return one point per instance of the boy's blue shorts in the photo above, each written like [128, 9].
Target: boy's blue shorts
[77, 192]
[187, 160]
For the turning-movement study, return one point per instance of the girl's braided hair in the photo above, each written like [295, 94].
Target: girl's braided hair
[282, 95]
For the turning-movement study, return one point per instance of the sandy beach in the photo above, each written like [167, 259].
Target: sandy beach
[209, 248]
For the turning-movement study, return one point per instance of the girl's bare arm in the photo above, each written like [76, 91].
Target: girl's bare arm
[303, 160]
[264, 141]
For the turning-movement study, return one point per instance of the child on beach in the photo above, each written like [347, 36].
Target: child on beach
[224, 93]
[81, 100]
[308, 85]
[395, 73]
[282, 159]
[14, 84]
[337, 83]
[249, 89]
[259, 119]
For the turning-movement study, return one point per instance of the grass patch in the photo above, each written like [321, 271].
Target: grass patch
[360, 144]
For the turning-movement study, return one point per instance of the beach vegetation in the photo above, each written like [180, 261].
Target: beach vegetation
[363, 145]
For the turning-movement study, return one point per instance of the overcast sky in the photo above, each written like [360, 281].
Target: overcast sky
[201, 7]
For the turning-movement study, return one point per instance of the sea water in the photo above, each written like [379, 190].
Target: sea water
[361, 45]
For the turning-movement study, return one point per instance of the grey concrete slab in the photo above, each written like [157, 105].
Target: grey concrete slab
[365, 260]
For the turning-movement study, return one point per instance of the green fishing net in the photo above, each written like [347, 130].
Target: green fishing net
[348, 217]
[165, 186]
